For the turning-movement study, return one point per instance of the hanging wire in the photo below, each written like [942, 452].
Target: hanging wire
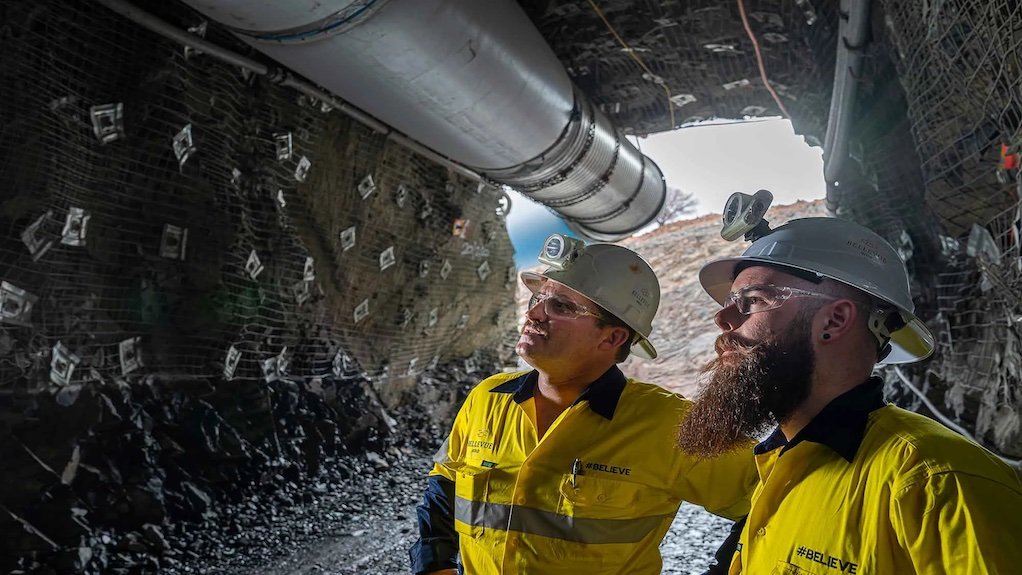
[759, 59]
[628, 50]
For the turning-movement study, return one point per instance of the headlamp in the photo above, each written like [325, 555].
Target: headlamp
[743, 215]
[559, 251]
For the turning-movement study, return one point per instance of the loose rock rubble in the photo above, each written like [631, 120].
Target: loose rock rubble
[187, 477]
[356, 514]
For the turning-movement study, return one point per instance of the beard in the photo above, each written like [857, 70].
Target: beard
[748, 391]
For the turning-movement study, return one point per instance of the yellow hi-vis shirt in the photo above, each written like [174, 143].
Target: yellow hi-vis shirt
[595, 495]
[870, 489]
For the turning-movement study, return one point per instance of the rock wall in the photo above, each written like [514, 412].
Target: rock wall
[209, 282]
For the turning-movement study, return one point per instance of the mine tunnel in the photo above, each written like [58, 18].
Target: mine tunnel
[255, 255]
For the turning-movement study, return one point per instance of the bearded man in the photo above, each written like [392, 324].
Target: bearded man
[848, 484]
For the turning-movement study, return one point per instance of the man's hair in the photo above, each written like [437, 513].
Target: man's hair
[608, 319]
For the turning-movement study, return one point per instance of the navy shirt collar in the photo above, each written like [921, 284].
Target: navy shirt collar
[840, 425]
[602, 394]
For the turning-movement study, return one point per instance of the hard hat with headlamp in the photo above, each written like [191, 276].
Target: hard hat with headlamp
[842, 251]
[613, 277]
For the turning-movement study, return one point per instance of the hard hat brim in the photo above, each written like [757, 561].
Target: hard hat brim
[642, 347]
[912, 343]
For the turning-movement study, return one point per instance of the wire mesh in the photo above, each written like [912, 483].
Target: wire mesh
[701, 52]
[959, 62]
[981, 351]
[167, 214]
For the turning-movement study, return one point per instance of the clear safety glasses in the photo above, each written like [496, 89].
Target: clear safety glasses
[757, 298]
[560, 306]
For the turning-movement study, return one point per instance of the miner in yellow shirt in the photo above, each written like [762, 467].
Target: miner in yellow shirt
[848, 484]
[561, 469]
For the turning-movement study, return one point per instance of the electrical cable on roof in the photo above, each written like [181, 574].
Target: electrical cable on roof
[759, 59]
[630, 52]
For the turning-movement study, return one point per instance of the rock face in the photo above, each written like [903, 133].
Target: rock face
[211, 286]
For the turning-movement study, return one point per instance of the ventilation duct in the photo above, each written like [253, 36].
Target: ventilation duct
[853, 35]
[472, 80]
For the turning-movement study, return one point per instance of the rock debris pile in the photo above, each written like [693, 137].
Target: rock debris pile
[181, 476]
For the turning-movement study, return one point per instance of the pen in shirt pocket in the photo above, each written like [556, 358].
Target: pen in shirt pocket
[576, 470]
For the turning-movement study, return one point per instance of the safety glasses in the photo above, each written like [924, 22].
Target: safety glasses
[757, 298]
[560, 306]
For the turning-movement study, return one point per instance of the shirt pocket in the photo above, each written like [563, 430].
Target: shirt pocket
[604, 520]
[470, 507]
[602, 498]
[785, 568]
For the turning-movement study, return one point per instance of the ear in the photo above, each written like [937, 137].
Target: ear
[839, 318]
[614, 338]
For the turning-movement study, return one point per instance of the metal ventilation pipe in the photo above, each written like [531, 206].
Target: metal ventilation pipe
[473, 81]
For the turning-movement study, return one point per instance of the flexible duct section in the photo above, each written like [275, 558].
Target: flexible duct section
[853, 30]
[473, 81]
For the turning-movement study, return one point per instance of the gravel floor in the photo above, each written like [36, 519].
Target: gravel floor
[359, 518]
[689, 545]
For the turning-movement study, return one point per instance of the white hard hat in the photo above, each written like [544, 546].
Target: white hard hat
[615, 278]
[843, 251]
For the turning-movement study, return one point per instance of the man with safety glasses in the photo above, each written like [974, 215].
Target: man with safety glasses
[562, 469]
[848, 484]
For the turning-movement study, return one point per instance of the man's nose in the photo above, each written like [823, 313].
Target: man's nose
[537, 312]
[728, 318]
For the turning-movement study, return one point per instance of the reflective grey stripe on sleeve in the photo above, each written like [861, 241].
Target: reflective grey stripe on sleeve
[550, 524]
[441, 456]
